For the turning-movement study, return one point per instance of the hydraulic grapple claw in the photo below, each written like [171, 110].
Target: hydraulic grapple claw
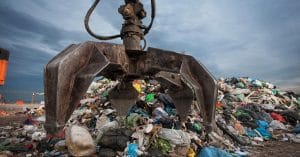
[68, 75]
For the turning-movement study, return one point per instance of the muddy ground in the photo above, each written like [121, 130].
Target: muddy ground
[270, 148]
[16, 113]
[277, 149]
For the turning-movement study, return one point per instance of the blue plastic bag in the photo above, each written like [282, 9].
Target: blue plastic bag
[250, 133]
[297, 129]
[132, 150]
[213, 152]
[263, 129]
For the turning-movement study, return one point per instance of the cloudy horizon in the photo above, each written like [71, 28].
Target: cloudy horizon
[256, 38]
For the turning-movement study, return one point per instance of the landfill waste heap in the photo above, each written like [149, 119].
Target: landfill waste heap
[249, 112]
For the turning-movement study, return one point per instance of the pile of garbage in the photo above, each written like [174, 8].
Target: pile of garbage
[248, 112]
[251, 111]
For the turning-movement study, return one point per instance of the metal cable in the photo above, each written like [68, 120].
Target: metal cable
[145, 44]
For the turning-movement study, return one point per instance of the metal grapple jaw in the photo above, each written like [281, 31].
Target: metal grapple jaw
[69, 74]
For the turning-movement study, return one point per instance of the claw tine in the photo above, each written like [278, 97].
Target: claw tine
[67, 77]
[183, 99]
[204, 87]
[122, 97]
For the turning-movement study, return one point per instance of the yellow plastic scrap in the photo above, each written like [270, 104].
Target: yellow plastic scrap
[137, 86]
[191, 153]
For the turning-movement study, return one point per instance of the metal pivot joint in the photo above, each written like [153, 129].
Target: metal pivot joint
[132, 34]
[133, 30]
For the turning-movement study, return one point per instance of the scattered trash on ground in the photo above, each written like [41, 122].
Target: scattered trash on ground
[248, 113]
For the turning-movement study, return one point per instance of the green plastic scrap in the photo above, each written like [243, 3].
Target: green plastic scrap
[241, 112]
[131, 120]
[240, 85]
[197, 127]
[105, 94]
[275, 91]
[163, 145]
[149, 97]
[241, 97]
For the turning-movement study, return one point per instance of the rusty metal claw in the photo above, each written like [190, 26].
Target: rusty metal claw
[68, 75]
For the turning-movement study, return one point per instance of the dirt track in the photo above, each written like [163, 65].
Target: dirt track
[15, 112]
[277, 149]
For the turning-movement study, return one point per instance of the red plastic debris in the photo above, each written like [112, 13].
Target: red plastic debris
[278, 117]
[29, 146]
[219, 104]
[20, 102]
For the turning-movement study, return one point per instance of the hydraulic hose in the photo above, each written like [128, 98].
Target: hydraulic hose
[87, 27]
[153, 12]
[100, 37]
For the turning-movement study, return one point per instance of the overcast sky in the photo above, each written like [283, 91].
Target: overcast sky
[255, 38]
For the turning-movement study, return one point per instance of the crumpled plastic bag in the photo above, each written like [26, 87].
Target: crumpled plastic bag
[38, 136]
[277, 125]
[238, 91]
[29, 129]
[293, 137]
[132, 150]
[296, 129]
[79, 141]
[256, 83]
[106, 127]
[263, 129]
[268, 106]
[176, 137]
[131, 120]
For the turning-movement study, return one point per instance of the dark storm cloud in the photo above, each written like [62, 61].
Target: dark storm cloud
[241, 38]
[27, 36]
[232, 38]
[17, 25]
[32, 44]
